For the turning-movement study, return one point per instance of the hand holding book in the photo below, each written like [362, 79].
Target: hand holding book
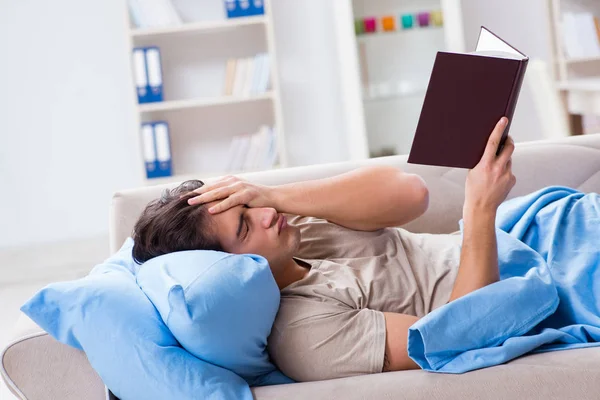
[491, 180]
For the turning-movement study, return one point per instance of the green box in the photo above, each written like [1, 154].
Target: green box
[359, 26]
[407, 21]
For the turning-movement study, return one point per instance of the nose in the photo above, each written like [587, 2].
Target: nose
[269, 217]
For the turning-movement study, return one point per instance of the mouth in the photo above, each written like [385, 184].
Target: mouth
[281, 223]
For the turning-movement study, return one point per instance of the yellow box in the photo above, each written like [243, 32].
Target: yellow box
[437, 18]
[388, 23]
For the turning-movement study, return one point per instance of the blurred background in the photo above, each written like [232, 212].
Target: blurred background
[101, 96]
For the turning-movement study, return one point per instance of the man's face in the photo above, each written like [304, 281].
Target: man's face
[256, 230]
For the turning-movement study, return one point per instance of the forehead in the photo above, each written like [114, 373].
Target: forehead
[226, 222]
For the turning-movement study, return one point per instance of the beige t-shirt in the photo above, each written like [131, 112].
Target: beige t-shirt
[330, 323]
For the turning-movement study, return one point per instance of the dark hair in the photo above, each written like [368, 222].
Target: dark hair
[170, 224]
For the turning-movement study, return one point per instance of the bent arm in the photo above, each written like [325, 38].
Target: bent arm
[367, 198]
[396, 341]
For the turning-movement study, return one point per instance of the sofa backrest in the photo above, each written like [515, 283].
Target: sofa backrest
[571, 161]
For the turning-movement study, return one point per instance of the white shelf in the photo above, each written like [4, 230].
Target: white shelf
[394, 96]
[200, 27]
[381, 34]
[203, 176]
[201, 102]
[581, 60]
[581, 84]
[180, 178]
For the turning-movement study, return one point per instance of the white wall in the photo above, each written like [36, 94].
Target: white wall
[313, 112]
[66, 113]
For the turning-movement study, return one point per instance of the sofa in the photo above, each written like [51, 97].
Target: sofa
[35, 366]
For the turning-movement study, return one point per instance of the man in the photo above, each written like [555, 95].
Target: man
[351, 284]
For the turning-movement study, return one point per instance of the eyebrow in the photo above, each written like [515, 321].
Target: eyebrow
[241, 223]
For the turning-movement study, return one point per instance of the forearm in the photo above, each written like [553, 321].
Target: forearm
[367, 198]
[479, 254]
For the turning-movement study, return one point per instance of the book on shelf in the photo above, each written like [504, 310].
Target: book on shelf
[156, 149]
[581, 35]
[250, 152]
[250, 70]
[248, 75]
[466, 97]
[230, 76]
[262, 81]
[244, 8]
[591, 124]
[153, 13]
[147, 74]
[240, 74]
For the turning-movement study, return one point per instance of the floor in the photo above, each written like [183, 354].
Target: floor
[69, 261]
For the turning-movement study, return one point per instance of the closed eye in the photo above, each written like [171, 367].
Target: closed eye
[245, 224]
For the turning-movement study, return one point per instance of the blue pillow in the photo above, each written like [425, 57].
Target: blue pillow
[108, 316]
[219, 306]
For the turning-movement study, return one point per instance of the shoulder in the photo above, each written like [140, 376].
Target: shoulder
[322, 239]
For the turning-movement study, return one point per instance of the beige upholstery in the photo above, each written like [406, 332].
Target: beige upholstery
[37, 367]
[572, 161]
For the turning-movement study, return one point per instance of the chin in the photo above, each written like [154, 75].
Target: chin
[294, 240]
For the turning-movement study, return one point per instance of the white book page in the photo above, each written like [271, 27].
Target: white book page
[490, 45]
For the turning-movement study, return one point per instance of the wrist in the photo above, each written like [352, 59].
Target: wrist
[276, 196]
[480, 212]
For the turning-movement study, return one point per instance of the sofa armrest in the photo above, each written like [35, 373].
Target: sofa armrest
[35, 366]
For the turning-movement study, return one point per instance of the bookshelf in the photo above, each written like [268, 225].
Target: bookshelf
[577, 76]
[202, 119]
[395, 65]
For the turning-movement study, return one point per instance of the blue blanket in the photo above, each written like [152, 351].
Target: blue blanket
[548, 296]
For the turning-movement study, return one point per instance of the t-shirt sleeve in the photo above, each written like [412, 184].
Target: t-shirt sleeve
[335, 342]
[322, 239]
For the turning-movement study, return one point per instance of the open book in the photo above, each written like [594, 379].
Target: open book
[467, 95]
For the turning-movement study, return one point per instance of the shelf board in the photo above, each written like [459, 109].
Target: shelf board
[200, 27]
[397, 32]
[581, 85]
[201, 102]
[200, 175]
[394, 96]
[181, 178]
[581, 60]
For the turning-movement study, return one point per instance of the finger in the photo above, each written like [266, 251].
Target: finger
[507, 151]
[211, 186]
[225, 205]
[494, 140]
[213, 195]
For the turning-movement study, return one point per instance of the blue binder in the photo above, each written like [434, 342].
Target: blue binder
[149, 149]
[155, 81]
[244, 8]
[140, 75]
[148, 74]
[163, 148]
[157, 149]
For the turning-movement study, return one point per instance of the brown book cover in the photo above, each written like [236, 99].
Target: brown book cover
[467, 95]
